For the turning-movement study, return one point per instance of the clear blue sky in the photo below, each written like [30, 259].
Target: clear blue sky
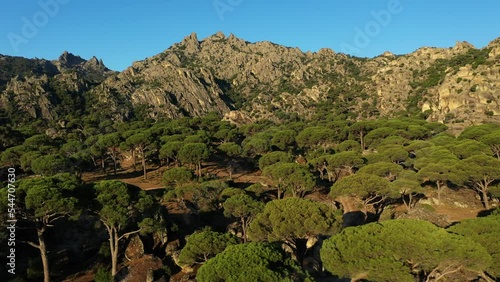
[122, 31]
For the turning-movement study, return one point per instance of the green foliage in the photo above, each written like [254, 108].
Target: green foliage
[177, 176]
[242, 206]
[483, 230]
[257, 189]
[396, 249]
[207, 195]
[479, 172]
[467, 148]
[193, 153]
[368, 187]
[103, 275]
[349, 145]
[27, 160]
[433, 154]
[416, 145]
[254, 146]
[11, 156]
[347, 161]
[46, 198]
[119, 206]
[493, 140]
[291, 177]
[203, 245]
[390, 153]
[383, 169]
[440, 172]
[231, 149]
[313, 137]
[476, 132]
[375, 137]
[284, 140]
[171, 150]
[250, 262]
[274, 157]
[293, 221]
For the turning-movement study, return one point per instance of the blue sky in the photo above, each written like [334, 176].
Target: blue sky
[122, 31]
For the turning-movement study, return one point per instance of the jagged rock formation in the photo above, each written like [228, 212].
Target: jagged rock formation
[48, 89]
[250, 81]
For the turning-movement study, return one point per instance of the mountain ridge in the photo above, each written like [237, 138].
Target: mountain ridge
[264, 80]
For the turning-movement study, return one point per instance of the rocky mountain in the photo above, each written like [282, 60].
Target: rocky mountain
[49, 90]
[250, 81]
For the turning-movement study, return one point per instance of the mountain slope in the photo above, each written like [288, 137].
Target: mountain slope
[41, 89]
[248, 81]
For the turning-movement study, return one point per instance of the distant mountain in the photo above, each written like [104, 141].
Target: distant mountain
[249, 81]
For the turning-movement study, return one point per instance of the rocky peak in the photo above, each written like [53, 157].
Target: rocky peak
[69, 60]
[494, 43]
[190, 39]
[463, 46]
[218, 36]
[94, 61]
[388, 54]
[495, 48]
[191, 43]
[327, 52]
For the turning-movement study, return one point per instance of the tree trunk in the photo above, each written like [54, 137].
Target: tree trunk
[362, 140]
[114, 165]
[103, 165]
[244, 229]
[113, 248]
[439, 188]
[486, 277]
[133, 159]
[144, 164]
[407, 205]
[43, 254]
[486, 202]
[94, 161]
[300, 249]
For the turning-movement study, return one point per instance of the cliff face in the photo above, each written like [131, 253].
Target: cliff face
[248, 81]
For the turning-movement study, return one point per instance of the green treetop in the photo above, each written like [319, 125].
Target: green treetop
[261, 262]
[203, 245]
[293, 221]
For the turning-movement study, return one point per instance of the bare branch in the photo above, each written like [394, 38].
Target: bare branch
[31, 244]
[129, 233]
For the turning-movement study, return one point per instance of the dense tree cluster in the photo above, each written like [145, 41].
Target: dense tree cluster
[311, 175]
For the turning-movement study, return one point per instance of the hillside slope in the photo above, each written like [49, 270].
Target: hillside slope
[249, 81]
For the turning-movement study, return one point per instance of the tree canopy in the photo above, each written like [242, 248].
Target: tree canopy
[251, 262]
[203, 245]
[399, 250]
[293, 221]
